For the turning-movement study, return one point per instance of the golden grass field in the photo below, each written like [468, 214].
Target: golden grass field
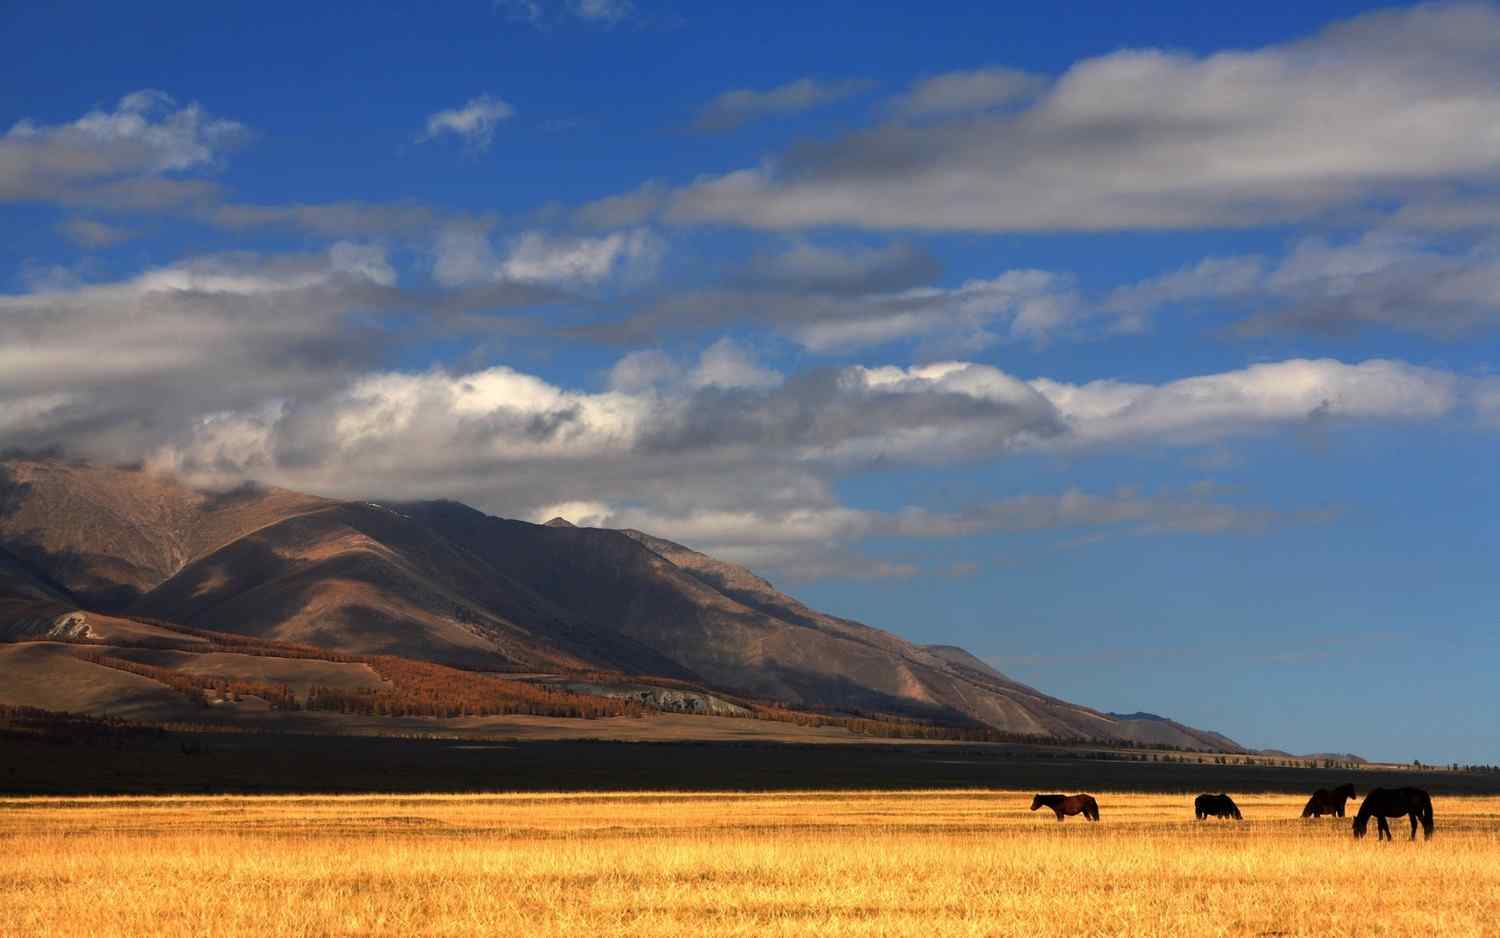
[843, 864]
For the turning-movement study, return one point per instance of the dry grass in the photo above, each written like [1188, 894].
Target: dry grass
[921, 863]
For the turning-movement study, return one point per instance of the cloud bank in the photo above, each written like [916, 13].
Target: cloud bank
[1152, 139]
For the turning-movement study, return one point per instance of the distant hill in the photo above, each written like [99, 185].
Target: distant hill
[1314, 756]
[441, 582]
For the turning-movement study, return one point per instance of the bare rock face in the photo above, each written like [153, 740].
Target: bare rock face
[670, 699]
[443, 582]
[70, 626]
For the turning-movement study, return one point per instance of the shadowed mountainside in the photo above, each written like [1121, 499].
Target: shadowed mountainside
[442, 582]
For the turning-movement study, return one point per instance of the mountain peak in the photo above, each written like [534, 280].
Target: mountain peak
[559, 522]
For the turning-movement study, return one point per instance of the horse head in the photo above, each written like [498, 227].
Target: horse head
[1361, 821]
[1036, 802]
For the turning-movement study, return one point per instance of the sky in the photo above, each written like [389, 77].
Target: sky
[1150, 358]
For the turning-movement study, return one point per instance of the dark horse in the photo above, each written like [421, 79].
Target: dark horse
[1068, 805]
[1220, 805]
[1324, 801]
[1395, 802]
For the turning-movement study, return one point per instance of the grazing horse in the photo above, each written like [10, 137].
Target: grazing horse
[1068, 805]
[1395, 802]
[1220, 805]
[1324, 801]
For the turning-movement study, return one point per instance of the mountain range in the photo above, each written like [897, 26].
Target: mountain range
[90, 552]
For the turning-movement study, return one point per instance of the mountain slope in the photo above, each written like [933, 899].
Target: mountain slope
[367, 579]
[443, 582]
[108, 535]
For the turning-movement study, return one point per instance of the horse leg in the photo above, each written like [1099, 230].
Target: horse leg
[1059, 815]
[1385, 828]
[1414, 825]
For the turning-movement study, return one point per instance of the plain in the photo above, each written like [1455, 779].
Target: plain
[973, 862]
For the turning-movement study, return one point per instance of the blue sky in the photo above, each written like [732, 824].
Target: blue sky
[1150, 358]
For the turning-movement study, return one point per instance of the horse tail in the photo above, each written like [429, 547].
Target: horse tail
[1093, 812]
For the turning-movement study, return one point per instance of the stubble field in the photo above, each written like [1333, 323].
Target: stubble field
[838, 863]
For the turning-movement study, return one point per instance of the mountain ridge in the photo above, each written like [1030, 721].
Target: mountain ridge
[441, 581]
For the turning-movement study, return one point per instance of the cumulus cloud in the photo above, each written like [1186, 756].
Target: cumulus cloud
[127, 364]
[744, 105]
[643, 370]
[119, 158]
[276, 368]
[516, 444]
[1151, 139]
[474, 123]
[727, 364]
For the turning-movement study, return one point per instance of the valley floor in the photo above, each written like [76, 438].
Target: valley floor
[848, 863]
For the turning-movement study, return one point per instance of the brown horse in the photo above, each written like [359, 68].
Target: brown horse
[1395, 802]
[1220, 805]
[1324, 801]
[1068, 805]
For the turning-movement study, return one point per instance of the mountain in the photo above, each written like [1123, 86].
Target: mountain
[442, 582]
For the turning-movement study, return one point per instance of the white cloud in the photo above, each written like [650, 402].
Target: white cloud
[1214, 406]
[966, 92]
[1152, 139]
[465, 255]
[741, 106]
[89, 233]
[474, 123]
[1021, 304]
[538, 258]
[1487, 401]
[830, 300]
[626, 209]
[131, 362]
[1388, 277]
[642, 370]
[727, 364]
[252, 366]
[118, 157]
[351, 218]
[585, 514]
[543, 14]
[518, 444]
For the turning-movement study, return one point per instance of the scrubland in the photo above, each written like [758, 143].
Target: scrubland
[836, 863]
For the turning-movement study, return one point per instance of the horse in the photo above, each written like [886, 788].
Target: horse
[1220, 805]
[1324, 801]
[1395, 802]
[1068, 805]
